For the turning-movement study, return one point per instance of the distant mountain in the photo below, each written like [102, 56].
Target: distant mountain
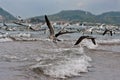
[69, 15]
[83, 16]
[4, 15]
[109, 17]
[73, 15]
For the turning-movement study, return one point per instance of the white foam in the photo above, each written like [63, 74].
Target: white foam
[21, 35]
[89, 44]
[3, 35]
[73, 49]
[5, 39]
[26, 39]
[10, 56]
[62, 68]
[13, 58]
[109, 41]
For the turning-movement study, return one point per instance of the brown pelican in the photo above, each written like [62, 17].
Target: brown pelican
[85, 37]
[107, 30]
[54, 36]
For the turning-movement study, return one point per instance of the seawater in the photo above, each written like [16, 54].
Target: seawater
[44, 60]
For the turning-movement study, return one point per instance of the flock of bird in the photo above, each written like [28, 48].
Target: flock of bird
[54, 36]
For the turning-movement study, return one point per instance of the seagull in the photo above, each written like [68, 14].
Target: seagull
[90, 30]
[63, 32]
[31, 28]
[54, 36]
[107, 30]
[5, 25]
[28, 26]
[52, 33]
[18, 23]
[85, 37]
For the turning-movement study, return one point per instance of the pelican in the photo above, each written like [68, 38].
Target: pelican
[85, 37]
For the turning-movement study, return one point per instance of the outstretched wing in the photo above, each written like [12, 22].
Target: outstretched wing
[49, 26]
[93, 40]
[18, 23]
[105, 32]
[79, 40]
[32, 29]
[62, 32]
[111, 33]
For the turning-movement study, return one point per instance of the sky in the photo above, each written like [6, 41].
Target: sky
[31, 8]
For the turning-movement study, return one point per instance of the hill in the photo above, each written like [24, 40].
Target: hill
[4, 15]
[83, 16]
[109, 17]
[74, 15]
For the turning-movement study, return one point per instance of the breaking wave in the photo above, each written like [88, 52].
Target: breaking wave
[67, 63]
[89, 44]
[5, 39]
[109, 41]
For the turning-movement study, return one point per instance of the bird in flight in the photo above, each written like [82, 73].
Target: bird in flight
[85, 37]
[54, 36]
[107, 30]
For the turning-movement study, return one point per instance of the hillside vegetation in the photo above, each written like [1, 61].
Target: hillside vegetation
[83, 16]
[6, 15]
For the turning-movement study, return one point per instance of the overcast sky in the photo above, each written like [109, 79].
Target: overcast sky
[31, 8]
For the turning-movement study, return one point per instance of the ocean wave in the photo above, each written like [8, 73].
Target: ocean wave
[6, 39]
[66, 63]
[109, 41]
[89, 44]
[10, 58]
[28, 35]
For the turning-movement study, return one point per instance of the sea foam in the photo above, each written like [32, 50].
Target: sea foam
[68, 64]
[89, 44]
[5, 39]
[108, 41]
